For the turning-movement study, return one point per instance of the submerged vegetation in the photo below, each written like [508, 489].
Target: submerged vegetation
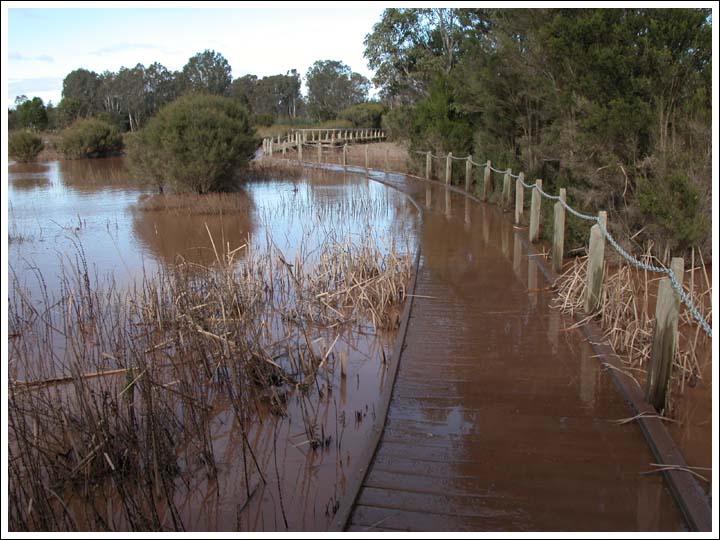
[121, 385]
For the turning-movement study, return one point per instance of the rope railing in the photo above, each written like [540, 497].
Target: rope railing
[674, 281]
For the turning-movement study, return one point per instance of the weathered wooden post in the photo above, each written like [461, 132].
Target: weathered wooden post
[367, 158]
[595, 265]
[387, 159]
[664, 337]
[270, 147]
[559, 233]
[519, 197]
[428, 165]
[487, 181]
[448, 168]
[468, 172]
[284, 147]
[264, 146]
[534, 232]
[313, 135]
[344, 157]
[320, 152]
[506, 189]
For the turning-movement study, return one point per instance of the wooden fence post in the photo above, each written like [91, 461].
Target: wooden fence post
[559, 233]
[270, 147]
[535, 204]
[344, 157]
[487, 181]
[284, 147]
[664, 337]
[595, 268]
[468, 173]
[448, 168]
[367, 158]
[506, 189]
[519, 197]
[428, 165]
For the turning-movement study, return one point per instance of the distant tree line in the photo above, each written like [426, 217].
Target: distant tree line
[129, 97]
[613, 104]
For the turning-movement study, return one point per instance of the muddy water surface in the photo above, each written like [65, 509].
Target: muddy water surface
[63, 213]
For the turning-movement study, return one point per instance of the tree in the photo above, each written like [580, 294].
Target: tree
[196, 143]
[332, 86]
[207, 72]
[276, 96]
[31, 114]
[90, 138]
[81, 89]
[364, 114]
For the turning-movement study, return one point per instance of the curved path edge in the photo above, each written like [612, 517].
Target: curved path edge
[684, 487]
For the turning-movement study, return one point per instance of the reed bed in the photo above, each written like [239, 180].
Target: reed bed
[112, 393]
[191, 203]
[626, 314]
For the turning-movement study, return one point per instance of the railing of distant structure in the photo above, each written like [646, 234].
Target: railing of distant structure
[298, 139]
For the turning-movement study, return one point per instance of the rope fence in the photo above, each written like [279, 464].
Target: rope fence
[600, 220]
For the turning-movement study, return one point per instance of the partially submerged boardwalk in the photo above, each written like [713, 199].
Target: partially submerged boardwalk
[501, 418]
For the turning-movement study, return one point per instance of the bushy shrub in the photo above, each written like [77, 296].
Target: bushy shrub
[263, 120]
[671, 204]
[196, 143]
[24, 146]
[364, 115]
[396, 123]
[90, 138]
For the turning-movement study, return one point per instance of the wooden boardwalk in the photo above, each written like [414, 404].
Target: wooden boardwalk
[500, 418]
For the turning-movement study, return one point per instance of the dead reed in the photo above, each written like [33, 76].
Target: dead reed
[627, 315]
[191, 203]
[112, 393]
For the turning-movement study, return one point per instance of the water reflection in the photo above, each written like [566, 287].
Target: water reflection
[168, 235]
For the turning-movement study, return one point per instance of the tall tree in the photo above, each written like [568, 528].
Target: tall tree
[332, 86]
[207, 72]
[80, 88]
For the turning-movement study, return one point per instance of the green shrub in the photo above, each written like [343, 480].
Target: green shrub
[196, 143]
[397, 121]
[263, 120]
[364, 115]
[670, 203]
[24, 146]
[90, 138]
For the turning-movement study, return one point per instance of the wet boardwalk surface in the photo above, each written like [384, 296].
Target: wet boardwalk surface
[500, 417]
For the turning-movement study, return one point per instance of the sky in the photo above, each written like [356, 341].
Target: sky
[44, 44]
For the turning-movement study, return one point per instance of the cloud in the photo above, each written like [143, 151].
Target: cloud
[24, 58]
[122, 47]
[30, 87]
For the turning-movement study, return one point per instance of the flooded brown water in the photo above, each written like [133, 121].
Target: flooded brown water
[63, 210]
[463, 449]
[501, 419]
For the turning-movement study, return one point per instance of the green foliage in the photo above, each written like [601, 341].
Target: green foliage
[31, 114]
[90, 138]
[333, 86]
[24, 146]
[196, 143]
[582, 98]
[437, 125]
[672, 203]
[207, 72]
[364, 114]
[276, 96]
[396, 123]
